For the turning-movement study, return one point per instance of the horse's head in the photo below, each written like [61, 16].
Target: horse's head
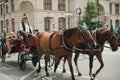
[76, 37]
[103, 35]
[112, 39]
[86, 39]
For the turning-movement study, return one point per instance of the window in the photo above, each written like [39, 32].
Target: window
[7, 23]
[2, 26]
[111, 23]
[61, 5]
[116, 23]
[12, 5]
[47, 23]
[110, 8]
[13, 24]
[6, 8]
[62, 23]
[1, 9]
[47, 4]
[6, 1]
[117, 9]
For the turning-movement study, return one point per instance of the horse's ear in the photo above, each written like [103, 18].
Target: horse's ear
[111, 28]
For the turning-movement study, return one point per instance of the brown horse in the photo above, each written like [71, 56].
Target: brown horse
[101, 35]
[60, 44]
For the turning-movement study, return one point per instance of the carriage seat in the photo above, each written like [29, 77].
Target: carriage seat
[12, 39]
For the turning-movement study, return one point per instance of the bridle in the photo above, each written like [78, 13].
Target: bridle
[87, 43]
[111, 35]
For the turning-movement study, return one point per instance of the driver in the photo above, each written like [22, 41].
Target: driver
[26, 30]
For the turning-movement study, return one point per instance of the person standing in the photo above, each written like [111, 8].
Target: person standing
[26, 30]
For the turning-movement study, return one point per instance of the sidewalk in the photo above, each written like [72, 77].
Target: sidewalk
[4, 77]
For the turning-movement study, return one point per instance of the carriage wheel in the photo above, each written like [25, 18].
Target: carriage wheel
[21, 61]
[50, 61]
[2, 56]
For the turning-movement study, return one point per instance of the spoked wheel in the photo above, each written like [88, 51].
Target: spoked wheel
[50, 61]
[34, 59]
[21, 61]
[2, 54]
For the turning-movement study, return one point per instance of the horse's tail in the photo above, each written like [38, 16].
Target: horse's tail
[39, 49]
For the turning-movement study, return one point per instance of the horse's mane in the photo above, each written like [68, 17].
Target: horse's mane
[69, 32]
[103, 30]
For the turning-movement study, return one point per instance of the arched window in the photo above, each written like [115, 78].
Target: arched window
[62, 23]
[6, 8]
[13, 24]
[47, 4]
[7, 23]
[61, 5]
[47, 21]
[111, 22]
[117, 23]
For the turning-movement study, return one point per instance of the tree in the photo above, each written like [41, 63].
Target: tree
[91, 11]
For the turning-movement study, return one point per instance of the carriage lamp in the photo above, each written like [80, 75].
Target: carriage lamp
[78, 11]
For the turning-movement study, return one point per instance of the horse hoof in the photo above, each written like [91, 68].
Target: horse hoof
[64, 71]
[73, 79]
[91, 78]
[47, 74]
[93, 75]
[38, 70]
[79, 74]
[54, 79]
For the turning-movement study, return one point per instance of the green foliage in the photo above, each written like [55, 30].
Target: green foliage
[91, 11]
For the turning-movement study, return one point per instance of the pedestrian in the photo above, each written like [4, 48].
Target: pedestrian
[8, 38]
[26, 30]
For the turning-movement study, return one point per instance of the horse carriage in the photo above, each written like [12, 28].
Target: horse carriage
[23, 55]
[18, 47]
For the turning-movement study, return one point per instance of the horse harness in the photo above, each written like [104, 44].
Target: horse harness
[64, 45]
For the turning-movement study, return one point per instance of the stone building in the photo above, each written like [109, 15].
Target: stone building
[48, 15]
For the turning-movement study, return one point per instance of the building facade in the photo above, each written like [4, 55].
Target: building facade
[48, 15]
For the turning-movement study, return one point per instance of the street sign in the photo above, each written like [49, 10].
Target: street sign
[4, 27]
[104, 18]
[101, 19]
[94, 20]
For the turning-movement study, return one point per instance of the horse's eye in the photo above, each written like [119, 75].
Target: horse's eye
[84, 33]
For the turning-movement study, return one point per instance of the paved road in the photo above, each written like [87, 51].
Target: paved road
[10, 69]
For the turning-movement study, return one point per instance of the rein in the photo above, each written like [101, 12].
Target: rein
[87, 49]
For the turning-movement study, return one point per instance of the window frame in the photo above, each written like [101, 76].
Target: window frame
[47, 4]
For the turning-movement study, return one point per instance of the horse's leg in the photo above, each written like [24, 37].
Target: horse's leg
[90, 64]
[69, 58]
[76, 64]
[57, 61]
[39, 66]
[99, 57]
[46, 61]
[64, 65]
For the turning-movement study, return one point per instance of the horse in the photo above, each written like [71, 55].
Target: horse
[60, 44]
[101, 35]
